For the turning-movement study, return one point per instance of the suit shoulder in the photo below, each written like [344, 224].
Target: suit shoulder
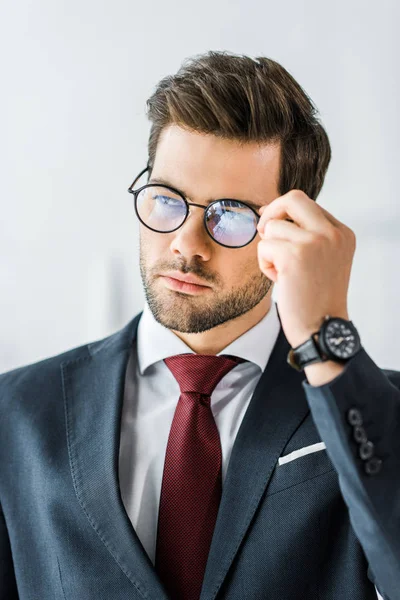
[393, 376]
[40, 371]
[44, 374]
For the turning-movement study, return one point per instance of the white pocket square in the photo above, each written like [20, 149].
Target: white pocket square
[301, 452]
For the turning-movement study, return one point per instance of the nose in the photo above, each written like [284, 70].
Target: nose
[192, 239]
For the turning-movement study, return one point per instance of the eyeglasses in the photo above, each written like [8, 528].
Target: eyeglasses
[163, 209]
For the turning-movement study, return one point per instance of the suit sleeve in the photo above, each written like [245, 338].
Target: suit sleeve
[358, 417]
[8, 585]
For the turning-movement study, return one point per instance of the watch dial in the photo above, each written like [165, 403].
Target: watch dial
[341, 339]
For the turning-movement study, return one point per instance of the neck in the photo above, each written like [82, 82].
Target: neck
[215, 340]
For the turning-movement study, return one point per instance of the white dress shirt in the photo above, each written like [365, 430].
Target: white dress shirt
[150, 398]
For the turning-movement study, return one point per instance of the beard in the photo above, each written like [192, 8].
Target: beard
[188, 313]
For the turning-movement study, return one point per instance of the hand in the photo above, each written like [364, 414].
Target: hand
[309, 258]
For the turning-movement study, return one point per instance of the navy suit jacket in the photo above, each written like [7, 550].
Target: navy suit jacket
[316, 528]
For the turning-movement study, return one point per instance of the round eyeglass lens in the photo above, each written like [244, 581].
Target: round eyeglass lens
[160, 208]
[231, 223]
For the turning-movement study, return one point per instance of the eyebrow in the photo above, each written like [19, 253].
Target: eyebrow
[162, 181]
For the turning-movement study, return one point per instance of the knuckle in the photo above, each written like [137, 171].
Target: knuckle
[316, 238]
[330, 235]
[269, 227]
[352, 237]
[298, 194]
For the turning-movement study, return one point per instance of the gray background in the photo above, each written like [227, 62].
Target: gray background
[75, 79]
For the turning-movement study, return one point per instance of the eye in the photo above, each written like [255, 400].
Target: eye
[167, 200]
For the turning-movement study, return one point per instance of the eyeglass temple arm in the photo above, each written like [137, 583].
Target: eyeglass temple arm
[130, 189]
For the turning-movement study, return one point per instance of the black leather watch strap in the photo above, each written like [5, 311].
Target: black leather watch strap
[305, 354]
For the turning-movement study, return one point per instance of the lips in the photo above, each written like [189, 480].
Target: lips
[184, 287]
[185, 278]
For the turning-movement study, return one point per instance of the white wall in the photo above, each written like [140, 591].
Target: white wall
[75, 79]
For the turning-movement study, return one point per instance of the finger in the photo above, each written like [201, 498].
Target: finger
[273, 254]
[301, 209]
[298, 207]
[262, 208]
[285, 230]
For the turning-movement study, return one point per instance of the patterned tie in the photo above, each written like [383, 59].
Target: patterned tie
[192, 481]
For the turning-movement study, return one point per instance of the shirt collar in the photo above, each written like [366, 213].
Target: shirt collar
[156, 342]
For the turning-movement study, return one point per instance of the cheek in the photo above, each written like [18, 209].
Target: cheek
[239, 269]
[153, 245]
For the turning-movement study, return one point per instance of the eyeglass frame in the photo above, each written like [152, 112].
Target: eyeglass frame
[188, 205]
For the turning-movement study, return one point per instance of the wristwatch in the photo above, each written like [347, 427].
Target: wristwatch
[336, 340]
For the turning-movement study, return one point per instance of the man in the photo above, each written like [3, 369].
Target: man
[220, 446]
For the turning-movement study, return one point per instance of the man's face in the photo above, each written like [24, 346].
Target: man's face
[206, 168]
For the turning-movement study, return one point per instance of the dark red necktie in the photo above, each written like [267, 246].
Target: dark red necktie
[192, 479]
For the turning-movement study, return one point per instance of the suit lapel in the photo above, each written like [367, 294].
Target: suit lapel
[93, 387]
[276, 410]
[93, 394]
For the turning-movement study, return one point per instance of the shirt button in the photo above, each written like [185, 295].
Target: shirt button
[373, 466]
[366, 450]
[359, 434]
[354, 417]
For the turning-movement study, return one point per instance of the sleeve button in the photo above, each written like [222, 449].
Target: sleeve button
[359, 434]
[366, 450]
[354, 417]
[373, 466]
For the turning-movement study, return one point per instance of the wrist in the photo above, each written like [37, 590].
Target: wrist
[304, 334]
[324, 372]
[336, 341]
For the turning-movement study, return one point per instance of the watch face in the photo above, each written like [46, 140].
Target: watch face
[341, 338]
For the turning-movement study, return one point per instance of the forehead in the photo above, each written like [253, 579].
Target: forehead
[206, 166]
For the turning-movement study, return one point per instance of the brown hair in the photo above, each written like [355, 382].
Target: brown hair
[248, 100]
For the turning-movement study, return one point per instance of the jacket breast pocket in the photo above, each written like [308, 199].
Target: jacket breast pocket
[299, 465]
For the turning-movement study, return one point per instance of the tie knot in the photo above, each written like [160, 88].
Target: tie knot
[200, 373]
